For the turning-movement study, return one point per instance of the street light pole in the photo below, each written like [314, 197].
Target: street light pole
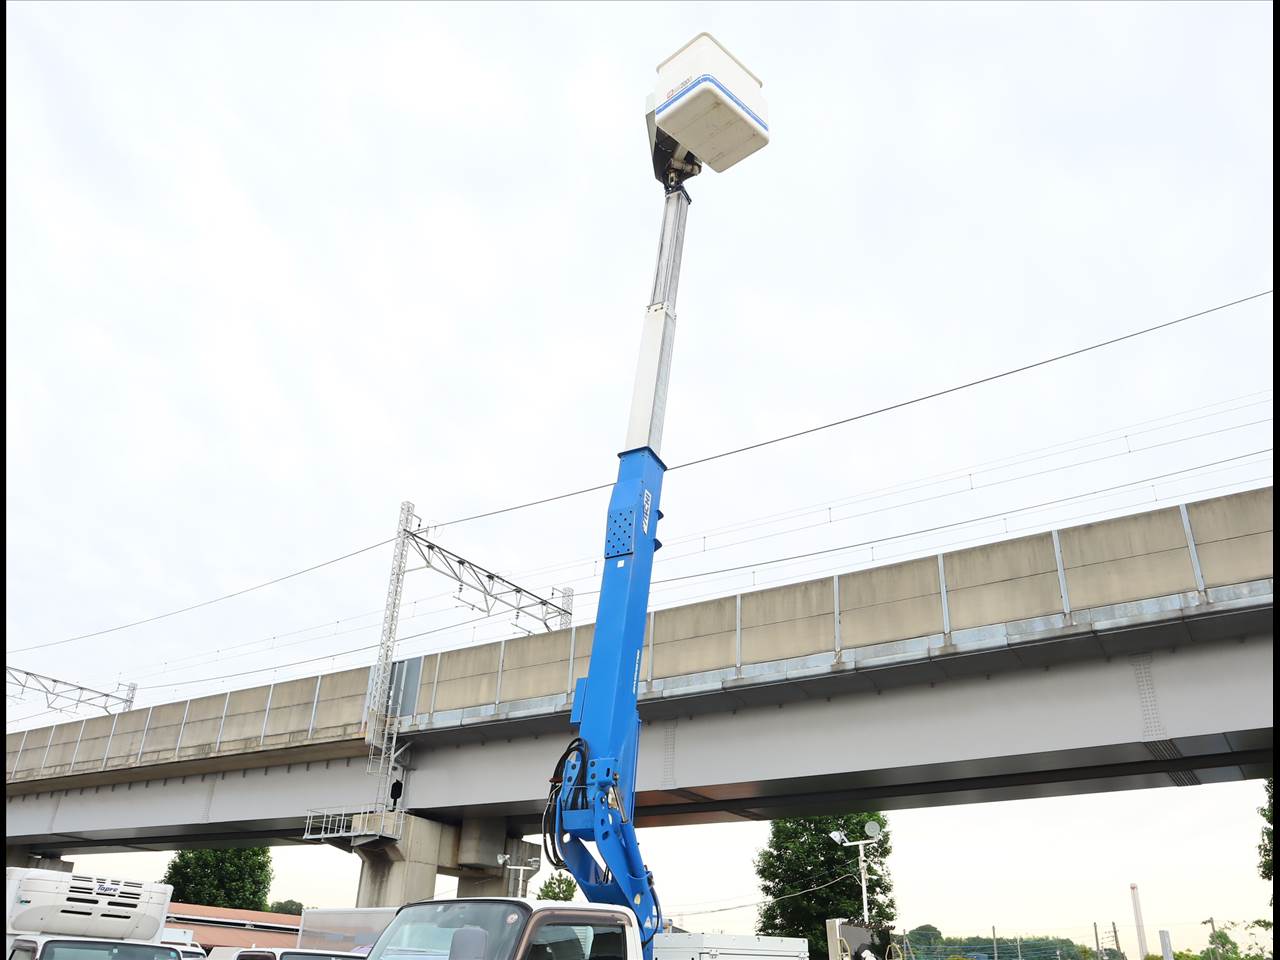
[862, 869]
[531, 864]
[873, 831]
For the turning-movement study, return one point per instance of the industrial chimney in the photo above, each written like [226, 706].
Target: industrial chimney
[1137, 919]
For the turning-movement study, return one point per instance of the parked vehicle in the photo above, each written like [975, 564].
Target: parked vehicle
[521, 929]
[52, 915]
[351, 930]
[183, 941]
[293, 953]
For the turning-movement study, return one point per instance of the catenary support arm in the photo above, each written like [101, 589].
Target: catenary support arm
[592, 797]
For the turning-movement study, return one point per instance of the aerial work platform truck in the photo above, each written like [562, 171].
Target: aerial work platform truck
[707, 108]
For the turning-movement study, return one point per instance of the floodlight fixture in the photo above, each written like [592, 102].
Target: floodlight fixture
[872, 829]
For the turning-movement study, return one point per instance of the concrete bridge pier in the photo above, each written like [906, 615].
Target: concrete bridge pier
[480, 874]
[395, 873]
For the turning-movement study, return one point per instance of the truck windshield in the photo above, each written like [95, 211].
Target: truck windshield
[105, 950]
[455, 929]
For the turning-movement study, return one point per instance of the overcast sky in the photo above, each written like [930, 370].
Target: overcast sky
[273, 269]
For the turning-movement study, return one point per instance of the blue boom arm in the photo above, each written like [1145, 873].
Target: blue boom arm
[592, 795]
[593, 789]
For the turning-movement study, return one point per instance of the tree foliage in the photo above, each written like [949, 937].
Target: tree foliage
[286, 906]
[925, 935]
[558, 886]
[1223, 946]
[809, 878]
[1264, 848]
[238, 879]
[928, 943]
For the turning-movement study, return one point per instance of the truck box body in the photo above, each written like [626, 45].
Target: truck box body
[727, 946]
[66, 904]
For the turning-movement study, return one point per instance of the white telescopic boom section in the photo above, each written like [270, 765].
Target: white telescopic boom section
[653, 370]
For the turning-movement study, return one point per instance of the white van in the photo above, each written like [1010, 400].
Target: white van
[180, 939]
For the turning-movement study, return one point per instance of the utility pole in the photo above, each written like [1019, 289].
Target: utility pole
[1096, 942]
[995, 947]
[1116, 937]
[1213, 930]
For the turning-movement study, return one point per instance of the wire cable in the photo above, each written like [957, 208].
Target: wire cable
[197, 660]
[947, 526]
[755, 564]
[204, 603]
[1060, 449]
[760, 903]
[690, 463]
[875, 412]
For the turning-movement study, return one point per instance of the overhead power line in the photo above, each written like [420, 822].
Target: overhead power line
[204, 603]
[1114, 434]
[957, 523]
[731, 569]
[680, 466]
[871, 413]
[192, 662]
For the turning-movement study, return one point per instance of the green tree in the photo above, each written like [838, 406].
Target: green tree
[286, 906]
[1264, 848]
[927, 943]
[558, 886]
[1223, 946]
[925, 935]
[809, 878]
[238, 879]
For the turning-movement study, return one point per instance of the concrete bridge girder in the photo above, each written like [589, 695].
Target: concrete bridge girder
[1096, 724]
[1180, 562]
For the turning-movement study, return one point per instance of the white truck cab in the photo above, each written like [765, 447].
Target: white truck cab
[56, 947]
[52, 915]
[492, 928]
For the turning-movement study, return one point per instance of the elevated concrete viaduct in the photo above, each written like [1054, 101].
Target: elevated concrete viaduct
[1123, 654]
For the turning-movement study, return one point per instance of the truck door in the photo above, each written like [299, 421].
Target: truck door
[567, 935]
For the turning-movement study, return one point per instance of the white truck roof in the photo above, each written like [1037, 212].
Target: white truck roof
[38, 941]
[680, 946]
[74, 905]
